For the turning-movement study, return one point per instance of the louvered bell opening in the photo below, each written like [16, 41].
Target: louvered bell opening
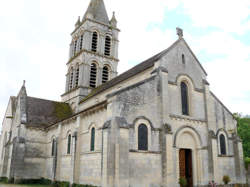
[94, 42]
[107, 46]
[93, 71]
[75, 45]
[81, 42]
[105, 74]
[71, 80]
[77, 77]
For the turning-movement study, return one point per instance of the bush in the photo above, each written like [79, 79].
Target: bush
[61, 184]
[82, 185]
[247, 161]
[4, 179]
[34, 181]
[183, 181]
[226, 179]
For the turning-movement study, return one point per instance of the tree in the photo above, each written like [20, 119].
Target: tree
[243, 125]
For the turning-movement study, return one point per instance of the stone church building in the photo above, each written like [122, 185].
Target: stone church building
[146, 127]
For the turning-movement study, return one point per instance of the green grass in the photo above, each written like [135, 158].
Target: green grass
[24, 185]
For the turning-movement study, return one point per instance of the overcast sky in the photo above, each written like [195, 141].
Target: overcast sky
[35, 37]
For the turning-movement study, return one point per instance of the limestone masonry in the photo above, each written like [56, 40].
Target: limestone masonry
[147, 127]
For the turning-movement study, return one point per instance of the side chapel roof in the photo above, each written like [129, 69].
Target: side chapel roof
[42, 113]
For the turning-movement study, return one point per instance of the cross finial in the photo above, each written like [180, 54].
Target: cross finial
[179, 32]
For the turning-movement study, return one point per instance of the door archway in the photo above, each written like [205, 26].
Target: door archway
[188, 145]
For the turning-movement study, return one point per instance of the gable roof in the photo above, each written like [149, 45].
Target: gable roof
[97, 11]
[137, 69]
[42, 113]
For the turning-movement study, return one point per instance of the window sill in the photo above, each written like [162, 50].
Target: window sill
[222, 156]
[141, 151]
[90, 152]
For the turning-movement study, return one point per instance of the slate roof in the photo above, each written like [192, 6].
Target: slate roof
[42, 113]
[98, 11]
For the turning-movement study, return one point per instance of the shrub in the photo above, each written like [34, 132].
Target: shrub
[82, 185]
[226, 179]
[34, 181]
[183, 181]
[61, 184]
[4, 179]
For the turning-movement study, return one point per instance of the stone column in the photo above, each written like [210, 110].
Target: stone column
[85, 75]
[76, 149]
[211, 128]
[99, 76]
[239, 160]
[58, 153]
[169, 170]
[67, 83]
[164, 120]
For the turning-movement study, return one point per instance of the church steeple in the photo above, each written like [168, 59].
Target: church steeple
[97, 11]
[93, 57]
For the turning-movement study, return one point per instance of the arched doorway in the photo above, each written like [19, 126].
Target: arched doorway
[188, 144]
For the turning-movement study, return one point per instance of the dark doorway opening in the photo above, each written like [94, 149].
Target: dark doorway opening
[185, 162]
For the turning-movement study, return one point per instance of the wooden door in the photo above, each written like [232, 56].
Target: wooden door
[182, 163]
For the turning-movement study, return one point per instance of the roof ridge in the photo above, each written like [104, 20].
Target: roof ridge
[45, 99]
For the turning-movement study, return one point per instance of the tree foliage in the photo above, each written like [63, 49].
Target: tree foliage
[244, 133]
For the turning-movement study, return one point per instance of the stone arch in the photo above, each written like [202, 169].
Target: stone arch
[192, 131]
[222, 132]
[188, 139]
[182, 78]
[137, 122]
[143, 118]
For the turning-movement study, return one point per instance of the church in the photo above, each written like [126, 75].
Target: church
[147, 127]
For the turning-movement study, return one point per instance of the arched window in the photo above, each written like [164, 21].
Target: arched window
[184, 98]
[77, 77]
[69, 144]
[81, 42]
[92, 140]
[93, 72]
[183, 59]
[94, 41]
[53, 149]
[71, 79]
[142, 137]
[105, 74]
[107, 46]
[222, 145]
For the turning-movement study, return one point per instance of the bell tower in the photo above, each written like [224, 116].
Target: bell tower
[93, 56]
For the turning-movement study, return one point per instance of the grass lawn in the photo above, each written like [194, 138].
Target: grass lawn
[23, 185]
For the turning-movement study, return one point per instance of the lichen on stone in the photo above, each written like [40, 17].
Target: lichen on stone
[62, 110]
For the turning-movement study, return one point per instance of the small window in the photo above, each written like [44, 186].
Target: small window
[183, 59]
[77, 77]
[69, 144]
[184, 98]
[222, 145]
[107, 46]
[105, 74]
[94, 41]
[53, 150]
[93, 72]
[71, 79]
[142, 137]
[92, 141]
[81, 42]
